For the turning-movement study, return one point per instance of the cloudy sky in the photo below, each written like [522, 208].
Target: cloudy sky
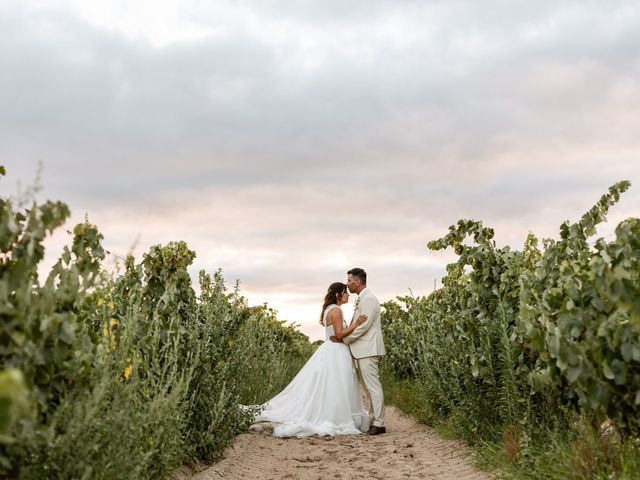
[287, 141]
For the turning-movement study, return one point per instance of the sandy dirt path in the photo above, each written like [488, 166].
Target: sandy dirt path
[407, 450]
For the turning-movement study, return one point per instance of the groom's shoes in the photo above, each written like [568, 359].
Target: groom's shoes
[376, 430]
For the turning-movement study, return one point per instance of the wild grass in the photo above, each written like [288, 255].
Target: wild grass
[574, 452]
[127, 375]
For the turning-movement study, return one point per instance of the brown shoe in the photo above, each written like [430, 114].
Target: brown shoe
[376, 430]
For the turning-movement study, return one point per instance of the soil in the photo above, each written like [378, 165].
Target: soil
[408, 450]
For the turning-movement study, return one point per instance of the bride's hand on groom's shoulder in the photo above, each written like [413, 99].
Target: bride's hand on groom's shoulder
[361, 319]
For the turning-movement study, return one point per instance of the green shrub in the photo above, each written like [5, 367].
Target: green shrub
[123, 376]
[518, 344]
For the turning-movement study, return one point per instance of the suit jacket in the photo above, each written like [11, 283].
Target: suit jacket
[366, 339]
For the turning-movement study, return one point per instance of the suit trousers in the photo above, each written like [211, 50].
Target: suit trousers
[370, 377]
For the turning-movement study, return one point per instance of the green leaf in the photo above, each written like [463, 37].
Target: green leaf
[573, 373]
[66, 333]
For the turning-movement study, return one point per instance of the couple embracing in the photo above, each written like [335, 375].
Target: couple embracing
[324, 397]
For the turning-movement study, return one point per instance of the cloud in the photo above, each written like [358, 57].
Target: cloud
[287, 142]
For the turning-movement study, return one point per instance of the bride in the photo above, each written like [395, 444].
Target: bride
[323, 398]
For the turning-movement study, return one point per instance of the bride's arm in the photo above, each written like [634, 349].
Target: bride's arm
[338, 329]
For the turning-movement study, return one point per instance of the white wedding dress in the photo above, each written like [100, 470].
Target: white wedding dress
[322, 399]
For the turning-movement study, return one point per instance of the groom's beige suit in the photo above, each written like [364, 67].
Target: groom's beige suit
[367, 346]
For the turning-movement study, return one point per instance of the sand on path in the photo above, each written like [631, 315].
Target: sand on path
[407, 450]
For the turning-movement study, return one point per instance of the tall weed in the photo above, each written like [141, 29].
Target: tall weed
[127, 375]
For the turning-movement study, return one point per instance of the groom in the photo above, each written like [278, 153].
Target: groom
[366, 345]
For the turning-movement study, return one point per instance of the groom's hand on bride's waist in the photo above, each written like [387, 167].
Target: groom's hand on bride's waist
[335, 339]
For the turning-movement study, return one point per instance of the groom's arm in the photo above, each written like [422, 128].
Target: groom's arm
[368, 307]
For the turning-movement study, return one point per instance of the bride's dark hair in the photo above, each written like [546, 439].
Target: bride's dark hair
[335, 290]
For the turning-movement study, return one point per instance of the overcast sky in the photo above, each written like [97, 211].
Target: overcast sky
[288, 141]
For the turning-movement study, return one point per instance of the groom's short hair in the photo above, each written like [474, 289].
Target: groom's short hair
[359, 273]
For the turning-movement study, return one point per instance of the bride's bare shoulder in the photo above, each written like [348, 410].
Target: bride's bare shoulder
[335, 312]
